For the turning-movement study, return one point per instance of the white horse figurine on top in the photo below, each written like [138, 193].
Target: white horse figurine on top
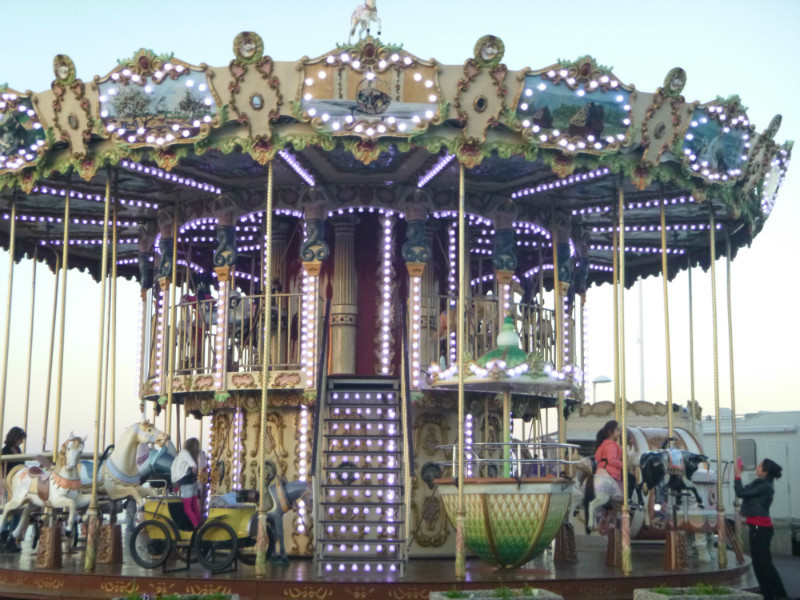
[59, 487]
[363, 15]
[118, 477]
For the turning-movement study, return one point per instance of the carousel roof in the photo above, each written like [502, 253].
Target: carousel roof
[371, 127]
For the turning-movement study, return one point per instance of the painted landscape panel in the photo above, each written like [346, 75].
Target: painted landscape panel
[597, 116]
[713, 147]
[21, 133]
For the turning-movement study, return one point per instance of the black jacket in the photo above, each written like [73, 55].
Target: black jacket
[756, 495]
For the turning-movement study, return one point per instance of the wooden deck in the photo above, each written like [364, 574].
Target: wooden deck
[588, 578]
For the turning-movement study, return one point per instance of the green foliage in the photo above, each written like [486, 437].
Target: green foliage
[454, 593]
[503, 592]
[527, 590]
[700, 589]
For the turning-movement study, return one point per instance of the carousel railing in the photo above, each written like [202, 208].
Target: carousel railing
[197, 329]
[535, 325]
[527, 459]
[246, 321]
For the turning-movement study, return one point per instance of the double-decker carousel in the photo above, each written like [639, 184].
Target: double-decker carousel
[358, 270]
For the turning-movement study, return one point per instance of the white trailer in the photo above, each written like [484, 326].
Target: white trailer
[774, 435]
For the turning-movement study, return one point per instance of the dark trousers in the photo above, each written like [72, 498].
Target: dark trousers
[768, 579]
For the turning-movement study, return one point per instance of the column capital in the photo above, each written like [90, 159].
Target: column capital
[223, 272]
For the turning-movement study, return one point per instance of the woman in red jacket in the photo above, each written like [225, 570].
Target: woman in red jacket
[609, 454]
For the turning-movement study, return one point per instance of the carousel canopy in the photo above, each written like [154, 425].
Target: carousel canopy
[371, 127]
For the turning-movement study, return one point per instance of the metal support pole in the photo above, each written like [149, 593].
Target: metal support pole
[262, 541]
[52, 352]
[558, 313]
[722, 552]
[692, 401]
[113, 325]
[93, 534]
[615, 260]
[627, 567]
[665, 273]
[30, 348]
[173, 311]
[62, 324]
[12, 234]
[461, 513]
[736, 501]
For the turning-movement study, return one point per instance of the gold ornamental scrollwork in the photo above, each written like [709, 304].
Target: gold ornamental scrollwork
[360, 592]
[430, 431]
[314, 593]
[431, 527]
[118, 587]
[409, 594]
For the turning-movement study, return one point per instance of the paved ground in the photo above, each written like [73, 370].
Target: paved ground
[789, 568]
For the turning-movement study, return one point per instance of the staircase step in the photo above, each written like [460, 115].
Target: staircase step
[363, 421]
[348, 566]
[363, 504]
[371, 542]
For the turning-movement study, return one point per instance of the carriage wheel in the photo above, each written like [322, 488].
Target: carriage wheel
[216, 546]
[247, 553]
[182, 552]
[150, 544]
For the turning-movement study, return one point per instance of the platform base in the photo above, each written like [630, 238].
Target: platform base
[675, 551]
[566, 551]
[49, 554]
[110, 551]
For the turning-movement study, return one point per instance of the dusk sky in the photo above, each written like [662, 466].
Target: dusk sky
[731, 47]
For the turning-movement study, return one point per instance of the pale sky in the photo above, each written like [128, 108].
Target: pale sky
[726, 47]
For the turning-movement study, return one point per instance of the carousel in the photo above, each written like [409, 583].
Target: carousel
[359, 271]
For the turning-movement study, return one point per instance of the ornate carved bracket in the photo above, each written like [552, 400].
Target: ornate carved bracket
[225, 254]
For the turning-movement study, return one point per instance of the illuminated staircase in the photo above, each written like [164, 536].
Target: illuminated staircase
[360, 515]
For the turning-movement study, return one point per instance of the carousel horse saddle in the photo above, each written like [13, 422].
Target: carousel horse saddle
[40, 482]
[676, 461]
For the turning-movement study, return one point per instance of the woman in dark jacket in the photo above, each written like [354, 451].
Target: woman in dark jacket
[756, 499]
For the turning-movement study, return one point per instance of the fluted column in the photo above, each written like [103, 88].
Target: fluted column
[225, 256]
[344, 309]
[416, 252]
[429, 313]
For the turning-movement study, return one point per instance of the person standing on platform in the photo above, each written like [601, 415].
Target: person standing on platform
[608, 455]
[756, 499]
[12, 445]
[185, 470]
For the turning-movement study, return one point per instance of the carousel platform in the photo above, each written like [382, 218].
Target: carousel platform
[587, 578]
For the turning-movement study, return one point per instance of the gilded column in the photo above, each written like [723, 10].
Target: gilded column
[313, 251]
[416, 252]
[225, 257]
[344, 309]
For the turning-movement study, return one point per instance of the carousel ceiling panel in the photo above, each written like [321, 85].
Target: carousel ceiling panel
[718, 141]
[495, 169]
[22, 138]
[387, 162]
[370, 91]
[156, 101]
[577, 107]
[559, 141]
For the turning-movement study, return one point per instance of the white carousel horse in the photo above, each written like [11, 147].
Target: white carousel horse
[598, 489]
[363, 15]
[59, 487]
[118, 477]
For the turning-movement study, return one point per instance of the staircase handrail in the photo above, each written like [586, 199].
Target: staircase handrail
[322, 383]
